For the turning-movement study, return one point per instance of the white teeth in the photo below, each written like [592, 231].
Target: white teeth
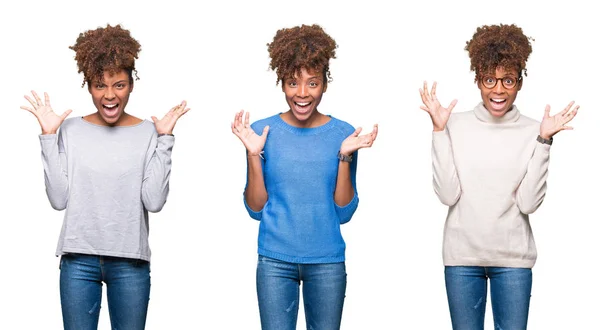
[498, 100]
[110, 106]
[303, 104]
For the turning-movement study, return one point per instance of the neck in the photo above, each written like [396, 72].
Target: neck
[315, 119]
[484, 115]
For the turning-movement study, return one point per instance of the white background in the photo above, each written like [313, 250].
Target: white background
[215, 57]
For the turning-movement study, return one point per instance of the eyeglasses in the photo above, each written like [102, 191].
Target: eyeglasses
[508, 82]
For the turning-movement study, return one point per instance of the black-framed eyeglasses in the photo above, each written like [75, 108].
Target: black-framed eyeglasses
[508, 82]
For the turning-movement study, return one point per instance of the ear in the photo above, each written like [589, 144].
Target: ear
[89, 87]
[324, 86]
[519, 85]
[131, 87]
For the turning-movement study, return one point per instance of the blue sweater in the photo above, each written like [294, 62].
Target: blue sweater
[300, 222]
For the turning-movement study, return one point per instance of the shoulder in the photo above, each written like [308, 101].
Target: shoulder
[260, 124]
[528, 120]
[69, 122]
[456, 118]
[342, 126]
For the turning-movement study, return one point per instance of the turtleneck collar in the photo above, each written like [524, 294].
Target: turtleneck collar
[484, 115]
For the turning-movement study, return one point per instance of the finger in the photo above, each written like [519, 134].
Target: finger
[31, 101]
[547, 111]
[184, 111]
[375, 131]
[425, 90]
[47, 100]
[247, 120]
[66, 114]
[357, 131]
[565, 110]
[566, 128]
[37, 98]
[424, 108]
[570, 115]
[423, 96]
[265, 132]
[28, 109]
[433, 88]
[452, 105]
[154, 119]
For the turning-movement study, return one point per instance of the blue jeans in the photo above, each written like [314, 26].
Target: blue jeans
[278, 288]
[128, 291]
[510, 290]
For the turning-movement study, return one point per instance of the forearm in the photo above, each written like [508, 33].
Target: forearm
[255, 194]
[155, 187]
[532, 190]
[344, 191]
[55, 171]
[445, 177]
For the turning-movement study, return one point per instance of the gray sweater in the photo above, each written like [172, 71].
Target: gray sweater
[107, 179]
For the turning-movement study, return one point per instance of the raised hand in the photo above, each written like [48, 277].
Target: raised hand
[439, 115]
[553, 124]
[253, 142]
[356, 141]
[167, 123]
[49, 121]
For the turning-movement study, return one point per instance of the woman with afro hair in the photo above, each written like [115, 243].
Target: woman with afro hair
[301, 185]
[108, 170]
[490, 166]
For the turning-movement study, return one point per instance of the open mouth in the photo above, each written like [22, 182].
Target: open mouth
[111, 110]
[302, 107]
[498, 104]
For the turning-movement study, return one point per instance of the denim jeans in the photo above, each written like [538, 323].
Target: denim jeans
[510, 291]
[278, 288]
[128, 291]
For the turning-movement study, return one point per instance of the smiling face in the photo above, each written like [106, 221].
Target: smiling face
[303, 94]
[498, 100]
[110, 97]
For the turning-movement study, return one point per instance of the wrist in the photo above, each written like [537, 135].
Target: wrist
[544, 140]
[343, 157]
[252, 155]
[163, 134]
[48, 132]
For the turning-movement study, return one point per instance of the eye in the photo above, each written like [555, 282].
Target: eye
[120, 86]
[99, 86]
[292, 83]
[489, 80]
[509, 81]
[313, 84]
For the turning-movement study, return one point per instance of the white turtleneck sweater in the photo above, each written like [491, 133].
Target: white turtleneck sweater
[491, 172]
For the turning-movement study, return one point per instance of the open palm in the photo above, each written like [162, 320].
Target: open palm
[253, 142]
[48, 119]
[439, 115]
[553, 124]
[356, 141]
[167, 123]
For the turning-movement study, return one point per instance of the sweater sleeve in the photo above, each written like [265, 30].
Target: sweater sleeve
[155, 185]
[445, 178]
[532, 189]
[346, 212]
[54, 160]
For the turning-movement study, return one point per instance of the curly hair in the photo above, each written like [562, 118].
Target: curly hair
[109, 48]
[494, 46]
[306, 46]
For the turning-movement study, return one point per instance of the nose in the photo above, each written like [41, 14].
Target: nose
[499, 88]
[302, 91]
[109, 94]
